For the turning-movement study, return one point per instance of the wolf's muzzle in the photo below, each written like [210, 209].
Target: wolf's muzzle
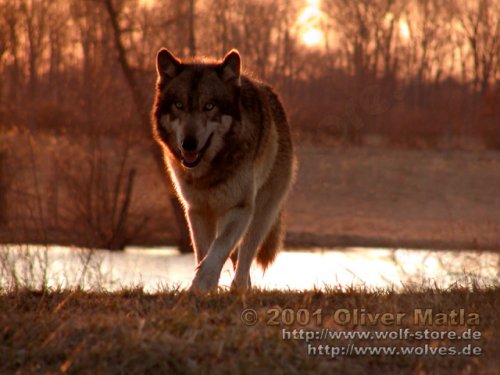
[190, 157]
[189, 144]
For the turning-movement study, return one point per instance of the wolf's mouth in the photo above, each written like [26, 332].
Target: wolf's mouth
[192, 159]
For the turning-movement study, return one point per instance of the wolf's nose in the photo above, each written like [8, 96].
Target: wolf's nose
[189, 144]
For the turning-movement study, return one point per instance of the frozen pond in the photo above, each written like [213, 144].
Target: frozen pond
[159, 268]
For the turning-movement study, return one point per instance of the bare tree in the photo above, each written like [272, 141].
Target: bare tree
[142, 108]
[35, 17]
[481, 23]
[192, 39]
[368, 32]
[57, 33]
[3, 49]
[11, 24]
[139, 100]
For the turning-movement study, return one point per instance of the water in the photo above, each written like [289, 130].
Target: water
[159, 268]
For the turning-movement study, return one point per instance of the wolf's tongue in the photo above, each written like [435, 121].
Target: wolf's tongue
[190, 157]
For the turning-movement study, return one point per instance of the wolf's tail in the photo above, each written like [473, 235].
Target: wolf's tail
[270, 246]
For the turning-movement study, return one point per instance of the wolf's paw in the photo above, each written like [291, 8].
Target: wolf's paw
[241, 285]
[203, 283]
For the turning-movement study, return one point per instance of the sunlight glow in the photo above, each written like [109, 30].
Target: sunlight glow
[146, 3]
[309, 15]
[308, 24]
[313, 3]
[404, 29]
[312, 37]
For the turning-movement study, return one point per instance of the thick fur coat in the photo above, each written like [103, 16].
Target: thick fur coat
[229, 153]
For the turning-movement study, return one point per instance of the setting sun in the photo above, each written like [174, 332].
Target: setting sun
[312, 37]
[146, 3]
[404, 29]
[308, 22]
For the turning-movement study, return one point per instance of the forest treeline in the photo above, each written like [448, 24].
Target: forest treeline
[401, 68]
[77, 161]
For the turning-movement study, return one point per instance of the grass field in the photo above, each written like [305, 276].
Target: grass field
[171, 332]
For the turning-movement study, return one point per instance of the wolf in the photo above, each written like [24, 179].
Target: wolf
[228, 149]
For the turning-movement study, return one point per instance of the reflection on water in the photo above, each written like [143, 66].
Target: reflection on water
[159, 268]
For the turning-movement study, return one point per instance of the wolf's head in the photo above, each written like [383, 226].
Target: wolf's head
[196, 105]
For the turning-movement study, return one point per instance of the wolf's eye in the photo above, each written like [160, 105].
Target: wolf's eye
[209, 106]
[178, 105]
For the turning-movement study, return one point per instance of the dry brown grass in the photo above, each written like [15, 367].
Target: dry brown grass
[131, 332]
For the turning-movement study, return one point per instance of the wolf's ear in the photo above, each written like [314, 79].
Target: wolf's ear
[231, 67]
[167, 65]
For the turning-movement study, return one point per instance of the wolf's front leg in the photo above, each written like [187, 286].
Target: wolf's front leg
[202, 231]
[230, 229]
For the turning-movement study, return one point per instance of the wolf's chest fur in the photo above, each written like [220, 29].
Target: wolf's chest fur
[235, 184]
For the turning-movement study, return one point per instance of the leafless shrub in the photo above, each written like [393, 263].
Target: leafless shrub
[99, 181]
[23, 267]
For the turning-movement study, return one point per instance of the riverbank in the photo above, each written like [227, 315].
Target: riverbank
[344, 196]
